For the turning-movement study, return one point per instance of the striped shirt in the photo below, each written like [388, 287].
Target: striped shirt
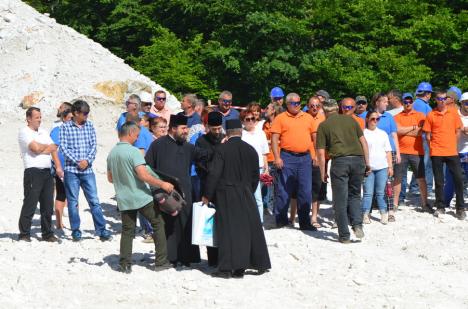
[78, 143]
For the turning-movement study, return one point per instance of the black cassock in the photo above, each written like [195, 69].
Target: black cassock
[174, 159]
[231, 183]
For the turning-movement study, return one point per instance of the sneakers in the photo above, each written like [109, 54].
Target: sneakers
[50, 238]
[76, 235]
[391, 216]
[384, 218]
[25, 238]
[148, 238]
[439, 211]
[460, 214]
[358, 231]
[366, 218]
[105, 235]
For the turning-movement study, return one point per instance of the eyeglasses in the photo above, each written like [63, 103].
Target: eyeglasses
[361, 103]
[441, 98]
[347, 107]
[277, 98]
[147, 103]
[227, 102]
[161, 127]
[248, 119]
[160, 98]
[408, 101]
[295, 103]
[374, 119]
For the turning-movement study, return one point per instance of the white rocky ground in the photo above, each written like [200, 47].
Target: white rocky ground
[418, 262]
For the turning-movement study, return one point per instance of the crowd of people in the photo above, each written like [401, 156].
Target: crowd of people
[275, 161]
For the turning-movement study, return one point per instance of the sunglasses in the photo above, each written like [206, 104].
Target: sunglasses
[248, 119]
[441, 99]
[277, 98]
[361, 103]
[295, 103]
[227, 101]
[147, 104]
[374, 119]
[408, 102]
[347, 107]
[314, 105]
[465, 103]
[160, 98]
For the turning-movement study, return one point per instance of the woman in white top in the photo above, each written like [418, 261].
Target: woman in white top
[257, 139]
[256, 110]
[380, 160]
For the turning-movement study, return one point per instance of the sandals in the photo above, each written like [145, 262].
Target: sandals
[316, 224]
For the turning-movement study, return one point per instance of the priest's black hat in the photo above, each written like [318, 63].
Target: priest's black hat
[215, 119]
[233, 124]
[177, 120]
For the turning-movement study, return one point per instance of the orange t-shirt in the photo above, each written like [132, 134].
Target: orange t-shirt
[412, 145]
[443, 127]
[294, 130]
[266, 129]
[317, 119]
[360, 121]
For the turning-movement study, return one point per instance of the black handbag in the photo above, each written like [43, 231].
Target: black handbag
[169, 202]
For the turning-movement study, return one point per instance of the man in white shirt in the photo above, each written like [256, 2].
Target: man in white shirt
[36, 147]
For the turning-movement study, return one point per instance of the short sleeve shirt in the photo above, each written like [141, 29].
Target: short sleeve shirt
[294, 131]
[317, 120]
[257, 140]
[388, 124]
[379, 145]
[443, 127]
[144, 139]
[30, 159]
[421, 106]
[412, 145]
[131, 192]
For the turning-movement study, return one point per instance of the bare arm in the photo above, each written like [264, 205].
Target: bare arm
[365, 149]
[276, 150]
[36, 147]
[390, 164]
[109, 177]
[321, 160]
[58, 164]
[143, 175]
[409, 131]
[397, 147]
[265, 164]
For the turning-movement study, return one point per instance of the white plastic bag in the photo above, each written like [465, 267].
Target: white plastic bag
[203, 227]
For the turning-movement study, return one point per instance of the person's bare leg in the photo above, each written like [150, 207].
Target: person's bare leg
[396, 193]
[59, 213]
[293, 212]
[315, 209]
[423, 190]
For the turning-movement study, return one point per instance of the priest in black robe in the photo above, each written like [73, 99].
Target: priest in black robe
[232, 179]
[172, 155]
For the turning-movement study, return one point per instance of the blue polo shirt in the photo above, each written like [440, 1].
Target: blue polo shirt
[387, 124]
[421, 106]
[363, 115]
[192, 120]
[144, 139]
[233, 114]
[123, 118]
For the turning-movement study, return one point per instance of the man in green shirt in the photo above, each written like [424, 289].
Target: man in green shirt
[342, 138]
[126, 169]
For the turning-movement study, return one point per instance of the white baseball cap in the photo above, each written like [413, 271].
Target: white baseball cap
[146, 97]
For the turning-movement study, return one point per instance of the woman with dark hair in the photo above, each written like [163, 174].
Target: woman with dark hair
[380, 160]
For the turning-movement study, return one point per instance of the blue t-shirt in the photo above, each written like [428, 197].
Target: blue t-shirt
[144, 139]
[54, 135]
[363, 115]
[388, 124]
[233, 114]
[123, 118]
[421, 106]
[193, 120]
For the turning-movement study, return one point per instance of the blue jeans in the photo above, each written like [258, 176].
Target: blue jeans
[87, 182]
[428, 166]
[295, 176]
[268, 191]
[375, 184]
[449, 189]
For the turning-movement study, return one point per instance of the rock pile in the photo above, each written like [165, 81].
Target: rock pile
[43, 63]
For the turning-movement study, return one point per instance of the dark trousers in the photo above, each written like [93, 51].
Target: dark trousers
[153, 215]
[346, 175]
[38, 187]
[295, 176]
[453, 164]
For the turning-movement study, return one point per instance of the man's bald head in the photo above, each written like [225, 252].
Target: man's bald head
[348, 106]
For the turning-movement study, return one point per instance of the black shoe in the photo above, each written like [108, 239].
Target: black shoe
[308, 227]
[126, 269]
[164, 266]
[428, 209]
[261, 272]
[221, 274]
[238, 273]
[25, 238]
[50, 238]
[460, 214]
[358, 231]
[281, 225]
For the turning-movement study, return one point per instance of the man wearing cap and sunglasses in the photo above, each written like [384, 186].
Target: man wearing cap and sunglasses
[224, 107]
[443, 127]
[293, 132]
[409, 130]
[277, 95]
[361, 106]
[159, 108]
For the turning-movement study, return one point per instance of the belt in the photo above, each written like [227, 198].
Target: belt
[297, 154]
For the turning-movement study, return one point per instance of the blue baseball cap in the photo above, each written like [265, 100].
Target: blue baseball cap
[407, 95]
[457, 91]
[276, 92]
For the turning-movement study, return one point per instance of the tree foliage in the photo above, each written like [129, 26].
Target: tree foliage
[249, 46]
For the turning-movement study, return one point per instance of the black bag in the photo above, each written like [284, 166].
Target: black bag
[169, 202]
